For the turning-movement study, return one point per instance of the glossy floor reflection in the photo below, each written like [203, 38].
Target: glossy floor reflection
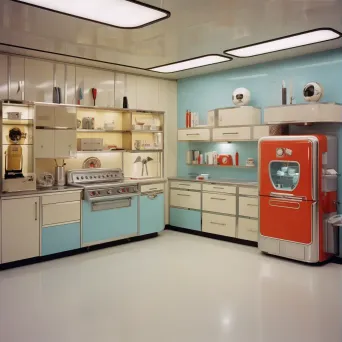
[175, 288]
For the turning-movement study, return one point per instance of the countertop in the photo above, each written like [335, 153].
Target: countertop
[55, 189]
[218, 181]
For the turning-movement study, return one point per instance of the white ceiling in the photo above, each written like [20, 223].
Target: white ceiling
[195, 28]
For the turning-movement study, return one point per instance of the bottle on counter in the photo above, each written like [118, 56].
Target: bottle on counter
[237, 159]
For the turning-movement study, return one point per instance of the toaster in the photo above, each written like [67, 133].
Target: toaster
[89, 144]
[88, 123]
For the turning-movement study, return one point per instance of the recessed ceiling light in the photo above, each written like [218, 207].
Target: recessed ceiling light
[191, 63]
[287, 42]
[119, 13]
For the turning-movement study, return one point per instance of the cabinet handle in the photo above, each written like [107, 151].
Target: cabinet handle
[35, 211]
[217, 199]
[193, 134]
[217, 187]
[231, 133]
[183, 195]
[219, 224]
[152, 197]
[184, 184]
[252, 205]
[153, 189]
[252, 230]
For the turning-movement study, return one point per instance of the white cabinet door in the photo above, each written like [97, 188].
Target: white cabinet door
[131, 91]
[65, 143]
[38, 80]
[71, 95]
[20, 229]
[147, 93]
[185, 199]
[239, 116]
[45, 143]
[65, 117]
[45, 116]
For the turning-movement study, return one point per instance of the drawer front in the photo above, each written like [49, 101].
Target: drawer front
[230, 134]
[228, 189]
[248, 191]
[260, 131]
[186, 185]
[185, 199]
[61, 198]
[194, 134]
[152, 187]
[247, 229]
[217, 203]
[57, 239]
[61, 212]
[249, 206]
[187, 219]
[219, 224]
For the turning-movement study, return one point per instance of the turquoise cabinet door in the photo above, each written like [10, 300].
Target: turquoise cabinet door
[183, 218]
[106, 225]
[151, 214]
[56, 239]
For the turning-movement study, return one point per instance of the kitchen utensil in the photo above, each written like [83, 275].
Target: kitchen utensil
[20, 89]
[80, 95]
[280, 173]
[237, 159]
[57, 97]
[225, 159]
[94, 93]
[88, 123]
[283, 93]
[125, 102]
[15, 135]
[284, 168]
[45, 180]
[14, 162]
[90, 144]
[14, 115]
[203, 176]
[250, 162]
[60, 175]
[139, 123]
[79, 123]
[91, 163]
[291, 171]
[143, 164]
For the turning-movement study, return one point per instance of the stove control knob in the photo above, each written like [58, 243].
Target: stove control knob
[109, 192]
[82, 177]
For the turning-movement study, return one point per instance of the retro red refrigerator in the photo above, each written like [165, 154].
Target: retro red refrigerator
[297, 196]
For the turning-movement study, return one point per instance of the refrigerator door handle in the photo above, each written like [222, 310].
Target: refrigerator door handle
[284, 204]
[287, 196]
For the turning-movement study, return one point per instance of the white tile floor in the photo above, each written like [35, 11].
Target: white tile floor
[175, 288]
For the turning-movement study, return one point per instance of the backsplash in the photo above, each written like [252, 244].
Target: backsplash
[203, 93]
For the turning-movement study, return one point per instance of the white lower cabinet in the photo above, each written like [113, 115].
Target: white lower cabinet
[219, 203]
[185, 199]
[61, 212]
[218, 224]
[247, 229]
[20, 229]
[249, 206]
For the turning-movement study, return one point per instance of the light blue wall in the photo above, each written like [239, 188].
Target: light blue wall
[200, 94]
[203, 93]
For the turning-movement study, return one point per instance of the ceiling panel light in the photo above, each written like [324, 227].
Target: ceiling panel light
[287, 42]
[191, 63]
[119, 13]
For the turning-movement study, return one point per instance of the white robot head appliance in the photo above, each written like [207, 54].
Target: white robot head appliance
[241, 97]
[313, 92]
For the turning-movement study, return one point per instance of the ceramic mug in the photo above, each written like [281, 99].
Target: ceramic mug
[137, 144]
[250, 162]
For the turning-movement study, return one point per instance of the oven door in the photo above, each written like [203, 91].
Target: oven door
[109, 219]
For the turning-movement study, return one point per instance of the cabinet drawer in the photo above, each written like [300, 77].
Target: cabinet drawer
[230, 134]
[249, 206]
[186, 185]
[247, 229]
[61, 198]
[219, 224]
[61, 212]
[217, 203]
[152, 187]
[188, 219]
[228, 189]
[57, 239]
[194, 134]
[185, 199]
[248, 191]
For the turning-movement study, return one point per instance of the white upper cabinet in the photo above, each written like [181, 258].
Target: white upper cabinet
[17, 76]
[65, 117]
[38, 80]
[120, 89]
[239, 116]
[103, 81]
[147, 93]
[3, 77]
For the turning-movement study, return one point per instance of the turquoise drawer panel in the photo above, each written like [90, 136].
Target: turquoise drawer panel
[151, 214]
[109, 224]
[182, 218]
[56, 239]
